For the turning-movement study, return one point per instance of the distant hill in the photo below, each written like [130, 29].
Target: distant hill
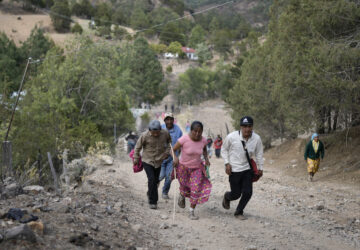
[256, 12]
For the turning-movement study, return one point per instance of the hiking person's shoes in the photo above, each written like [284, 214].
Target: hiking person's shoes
[310, 178]
[225, 203]
[192, 216]
[181, 201]
[239, 215]
[165, 197]
[153, 206]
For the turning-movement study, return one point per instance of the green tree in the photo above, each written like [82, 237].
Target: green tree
[74, 99]
[120, 33]
[242, 30]
[304, 71]
[37, 44]
[77, 28]
[198, 35]
[11, 64]
[172, 32]
[158, 48]
[119, 17]
[203, 52]
[146, 73]
[177, 5]
[103, 15]
[103, 31]
[175, 48]
[195, 85]
[214, 24]
[83, 9]
[221, 40]
[139, 19]
[60, 16]
[162, 15]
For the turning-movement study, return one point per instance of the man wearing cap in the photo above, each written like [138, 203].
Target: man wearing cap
[167, 165]
[237, 165]
[155, 145]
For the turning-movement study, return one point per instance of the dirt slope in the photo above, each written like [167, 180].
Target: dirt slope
[285, 212]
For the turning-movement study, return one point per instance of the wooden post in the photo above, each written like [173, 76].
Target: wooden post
[7, 159]
[17, 99]
[53, 172]
[115, 140]
[227, 129]
[39, 158]
[65, 172]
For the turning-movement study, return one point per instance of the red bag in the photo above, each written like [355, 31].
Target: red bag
[253, 166]
[256, 172]
[139, 167]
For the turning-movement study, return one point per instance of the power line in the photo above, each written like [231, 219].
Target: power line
[188, 15]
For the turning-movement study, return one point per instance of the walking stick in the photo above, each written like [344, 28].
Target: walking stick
[174, 210]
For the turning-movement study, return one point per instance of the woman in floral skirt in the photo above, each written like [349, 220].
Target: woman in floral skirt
[190, 171]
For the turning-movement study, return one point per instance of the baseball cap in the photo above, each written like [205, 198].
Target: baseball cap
[154, 125]
[168, 114]
[246, 120]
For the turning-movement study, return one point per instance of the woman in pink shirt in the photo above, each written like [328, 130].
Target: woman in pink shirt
[191, 171]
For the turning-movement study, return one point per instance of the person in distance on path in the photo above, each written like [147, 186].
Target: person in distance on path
[313, 150]
[237, 165]
[217, 145]
[155, 145]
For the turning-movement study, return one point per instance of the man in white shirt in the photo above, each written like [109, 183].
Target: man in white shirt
[237, 165]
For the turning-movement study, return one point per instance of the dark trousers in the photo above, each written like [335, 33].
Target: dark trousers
[153, 180]
[241, 185]
[217, 152]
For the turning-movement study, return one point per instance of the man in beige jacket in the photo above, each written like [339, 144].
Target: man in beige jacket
[155, 146]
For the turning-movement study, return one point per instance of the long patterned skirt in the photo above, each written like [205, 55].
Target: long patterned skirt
[313, 165]
[194, 184]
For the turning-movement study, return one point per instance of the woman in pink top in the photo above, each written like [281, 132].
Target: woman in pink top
[191, 172]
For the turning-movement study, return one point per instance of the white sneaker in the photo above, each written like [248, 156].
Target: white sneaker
[165, 197]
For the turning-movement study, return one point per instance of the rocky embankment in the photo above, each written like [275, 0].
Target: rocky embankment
[108, 210]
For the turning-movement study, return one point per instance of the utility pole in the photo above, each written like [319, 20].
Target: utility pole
[6, 145]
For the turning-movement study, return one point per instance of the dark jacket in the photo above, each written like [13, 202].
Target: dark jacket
[310, 152]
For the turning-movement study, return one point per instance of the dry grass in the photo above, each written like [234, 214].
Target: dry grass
[17, 24]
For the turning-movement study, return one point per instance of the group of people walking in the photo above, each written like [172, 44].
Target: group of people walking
[165, 147]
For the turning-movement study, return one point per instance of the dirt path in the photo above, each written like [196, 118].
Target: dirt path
[284, 213]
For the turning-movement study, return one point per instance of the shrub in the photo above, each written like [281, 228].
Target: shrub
[77, 29]
[169, 69]
[62, 19]
[120, 33]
